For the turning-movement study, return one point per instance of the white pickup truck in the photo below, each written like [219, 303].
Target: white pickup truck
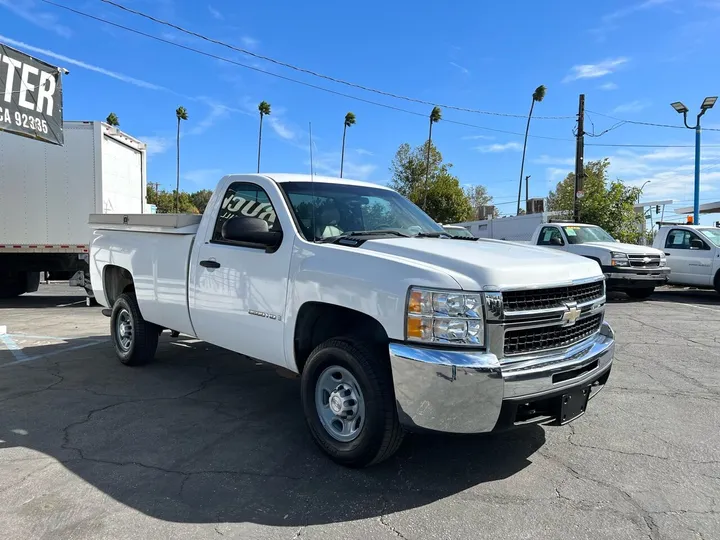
[635, 270]
[693, 254]
[392, 324]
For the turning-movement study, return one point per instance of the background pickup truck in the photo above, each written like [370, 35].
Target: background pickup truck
[392, 324]
[635, 270]
[693, 254]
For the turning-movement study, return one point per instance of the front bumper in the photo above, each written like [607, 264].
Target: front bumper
[631, 278]
[457, 391]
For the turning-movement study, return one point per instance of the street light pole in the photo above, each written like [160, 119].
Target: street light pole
[707, 104]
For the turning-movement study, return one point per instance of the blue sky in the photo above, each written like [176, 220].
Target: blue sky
[631, 59]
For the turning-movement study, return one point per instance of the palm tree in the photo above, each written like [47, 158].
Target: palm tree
[435, 116]
[112, 119]
[538, 96]
[181, 114]
[264, 108]
[349, 121]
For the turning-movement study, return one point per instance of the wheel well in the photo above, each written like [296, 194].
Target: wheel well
[317, 322]
[116, 281]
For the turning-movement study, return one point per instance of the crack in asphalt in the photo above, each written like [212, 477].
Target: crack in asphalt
[382, 519]
[30, 393]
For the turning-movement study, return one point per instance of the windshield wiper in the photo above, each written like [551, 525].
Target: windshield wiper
[350, 234]
[432, 235]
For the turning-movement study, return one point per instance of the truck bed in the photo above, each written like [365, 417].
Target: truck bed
[155, 249]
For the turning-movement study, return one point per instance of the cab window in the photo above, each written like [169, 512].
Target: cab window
[550, 236]
[244, 199]
[681, 239]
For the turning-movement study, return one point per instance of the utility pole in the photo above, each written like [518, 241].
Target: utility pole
[526, 193]
[579, 157]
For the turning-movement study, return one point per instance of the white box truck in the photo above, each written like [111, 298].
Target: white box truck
[47, 193]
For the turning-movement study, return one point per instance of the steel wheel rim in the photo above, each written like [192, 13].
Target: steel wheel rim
[339, 404]
[124, 330]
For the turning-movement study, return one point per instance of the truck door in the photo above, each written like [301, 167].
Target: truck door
[237, 293]
[689, 257]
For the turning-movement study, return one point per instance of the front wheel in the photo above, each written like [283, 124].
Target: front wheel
[640, 294]
[349, 405]
[134, 338]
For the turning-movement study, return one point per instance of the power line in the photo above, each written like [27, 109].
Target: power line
[290, 79]
[654, 145]
[653, 124]
[316, 74]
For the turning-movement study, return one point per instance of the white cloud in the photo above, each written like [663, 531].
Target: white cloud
[328, 163]
[555, 174]
[629, 10]
[478, 137]
[67, 60]
[249, 42]
[633, 106]
[28, 10]
[544, 159]
[215, 14]
[609, 86]
[362, 152]
[156, 144]
[281, 128]
[495, 148]
[216, 113]
[465, 70]
[202, 177]
[592, 71]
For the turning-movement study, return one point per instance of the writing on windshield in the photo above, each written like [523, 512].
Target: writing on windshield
[327, 210]
[581, 235]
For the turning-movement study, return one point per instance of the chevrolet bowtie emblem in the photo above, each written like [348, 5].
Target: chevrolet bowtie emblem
[572, 314]
[646, 260]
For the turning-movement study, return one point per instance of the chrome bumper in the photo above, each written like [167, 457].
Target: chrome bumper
[457, 391]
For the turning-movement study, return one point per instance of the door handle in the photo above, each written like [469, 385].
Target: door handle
[667, 254]
[210, 264]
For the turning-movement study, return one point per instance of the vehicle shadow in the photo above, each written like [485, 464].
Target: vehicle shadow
[35, 301]
[205, 436]
[703, 297]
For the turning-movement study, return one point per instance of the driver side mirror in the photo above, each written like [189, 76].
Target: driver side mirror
[251, 232]
[556, 241]
[696, 243]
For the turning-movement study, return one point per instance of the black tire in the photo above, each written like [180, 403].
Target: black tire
[144, 335]
[716, 283]
[381, 434]
[640, 294]
[12, 284]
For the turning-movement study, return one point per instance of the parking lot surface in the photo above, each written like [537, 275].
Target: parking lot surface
[204, 443]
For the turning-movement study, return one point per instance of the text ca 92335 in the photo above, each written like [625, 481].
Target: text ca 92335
[23, 120]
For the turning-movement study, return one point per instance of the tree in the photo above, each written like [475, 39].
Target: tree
[166, 202]
[349, 121]
[181, 114]
[538, 96]
[442, 195]
[263, 108]
[478, 196]
[200, 199]
[435, 116]
[609, 205]
[112, 120]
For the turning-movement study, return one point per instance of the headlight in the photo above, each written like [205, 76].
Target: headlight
[445, 317]
[663, 260]
[619, 259]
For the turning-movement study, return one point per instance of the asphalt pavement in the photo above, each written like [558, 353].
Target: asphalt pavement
[204, 443]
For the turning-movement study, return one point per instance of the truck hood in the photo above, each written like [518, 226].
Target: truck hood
[488, 264]
[631, 249]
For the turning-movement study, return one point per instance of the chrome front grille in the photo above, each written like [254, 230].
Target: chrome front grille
[532, 299]
[530, 340]
[527, 322]
[644, 261]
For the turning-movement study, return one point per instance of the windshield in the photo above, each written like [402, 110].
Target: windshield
[581, 235]
[458, 232]
[342, 209]
[713, 235]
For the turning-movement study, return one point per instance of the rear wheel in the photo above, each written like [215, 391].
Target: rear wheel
[348, 401]
[640, 294]
[716, 283]
[134, 338]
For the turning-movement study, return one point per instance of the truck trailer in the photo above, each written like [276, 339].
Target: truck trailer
[47, 193]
